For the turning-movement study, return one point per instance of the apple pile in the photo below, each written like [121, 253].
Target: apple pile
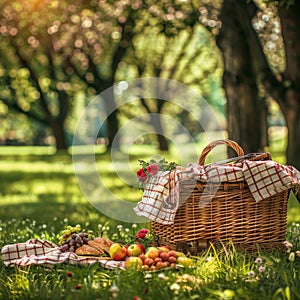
[136, 257]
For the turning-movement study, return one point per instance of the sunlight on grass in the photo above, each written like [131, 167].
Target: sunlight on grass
[40, 196]
[27, 150]
[293, 209]
[49, 180]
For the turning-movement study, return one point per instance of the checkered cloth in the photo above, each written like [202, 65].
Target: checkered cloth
[268, 178]
[264, 178]
[42, 252]
[161, 198]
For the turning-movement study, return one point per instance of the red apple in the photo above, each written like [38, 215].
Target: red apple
[133, 263]
[117, 251]
[135, 250]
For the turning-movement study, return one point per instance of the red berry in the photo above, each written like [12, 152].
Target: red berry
[69, 274]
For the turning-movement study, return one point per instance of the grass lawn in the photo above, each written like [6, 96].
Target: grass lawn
[40, 196]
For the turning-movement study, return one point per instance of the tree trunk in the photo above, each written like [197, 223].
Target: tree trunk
[290, 103]
[59, 134]
[162, 141]
[112, 120]
[293, 125]
[284, 88]
[244, 107]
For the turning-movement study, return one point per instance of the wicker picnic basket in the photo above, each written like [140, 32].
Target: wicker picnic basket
[231, 217]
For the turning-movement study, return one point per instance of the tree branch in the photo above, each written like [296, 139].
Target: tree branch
[62, 97]
[33, 76]
[262, 68]
[145, 105]
[18, 109]
[290, 22]
[181, 53]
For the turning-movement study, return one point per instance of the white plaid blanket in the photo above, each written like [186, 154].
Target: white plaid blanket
[43, 252]
[264, 178]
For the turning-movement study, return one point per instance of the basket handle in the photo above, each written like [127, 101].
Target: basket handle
[235, 146]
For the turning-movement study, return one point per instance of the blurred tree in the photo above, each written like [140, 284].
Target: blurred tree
[283, 85]
[33, 77]
[152, 40]
[52, 50]
[182, 53]
[93, 42]
[259, 41]
[245, 108]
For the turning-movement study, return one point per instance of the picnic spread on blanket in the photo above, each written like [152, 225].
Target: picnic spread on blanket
[242, 199]
[134, 257]
[43, 252]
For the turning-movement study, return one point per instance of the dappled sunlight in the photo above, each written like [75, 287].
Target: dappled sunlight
[293, 209]
[40, 197]
[45, 186]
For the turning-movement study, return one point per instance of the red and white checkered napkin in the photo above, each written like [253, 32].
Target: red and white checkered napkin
[268, 178]
[161, 194]
[264, 178]
[161, 198]
[41, 252]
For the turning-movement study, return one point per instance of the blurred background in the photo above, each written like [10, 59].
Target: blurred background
[58, 55]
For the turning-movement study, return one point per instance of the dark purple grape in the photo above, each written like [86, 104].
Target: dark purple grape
[69, 240]
[72, 242]
[78, 239]
[64, 248]
[78, 245]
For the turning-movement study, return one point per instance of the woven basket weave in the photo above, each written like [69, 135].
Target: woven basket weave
[232, 216]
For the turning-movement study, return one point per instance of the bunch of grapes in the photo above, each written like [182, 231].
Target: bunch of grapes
[73, 238]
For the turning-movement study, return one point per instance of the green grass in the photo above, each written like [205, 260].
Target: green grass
[40, 196]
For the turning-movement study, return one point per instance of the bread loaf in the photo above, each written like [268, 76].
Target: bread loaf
[99, 246]
[88, 250]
